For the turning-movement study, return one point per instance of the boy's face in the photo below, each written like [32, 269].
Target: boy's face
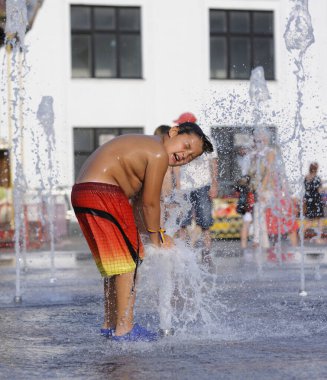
[183, 148]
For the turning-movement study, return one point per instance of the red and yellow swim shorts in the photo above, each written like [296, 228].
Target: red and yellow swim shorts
[107, 222]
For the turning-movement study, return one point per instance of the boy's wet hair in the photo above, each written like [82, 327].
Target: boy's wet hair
[189, 128]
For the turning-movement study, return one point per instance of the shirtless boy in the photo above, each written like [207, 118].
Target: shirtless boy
[113, 174]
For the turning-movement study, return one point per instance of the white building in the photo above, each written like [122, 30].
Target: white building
[122, 66]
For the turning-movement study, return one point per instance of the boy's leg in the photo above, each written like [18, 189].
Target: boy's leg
[247, 219]
[206, 254]
[307, 225]
[185, 219]
[109, 303]
[125, 299]
[293, 238]
[183, 234]
[207, 238]
[319, 232]
[203, 217]
[245, 234]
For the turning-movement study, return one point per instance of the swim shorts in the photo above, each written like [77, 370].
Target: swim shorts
[107, 222]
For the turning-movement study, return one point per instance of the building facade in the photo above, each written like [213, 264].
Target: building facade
[115, 67]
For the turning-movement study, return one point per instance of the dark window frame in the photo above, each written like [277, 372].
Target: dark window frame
[96, 132]
[223, 141]
[116, 31]
[251, 34]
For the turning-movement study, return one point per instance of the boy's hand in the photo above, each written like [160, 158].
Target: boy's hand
[168, 242]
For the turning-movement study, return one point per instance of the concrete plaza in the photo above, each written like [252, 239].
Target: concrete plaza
[265, 330]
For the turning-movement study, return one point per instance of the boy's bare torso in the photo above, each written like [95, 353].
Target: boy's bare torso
[123, 162]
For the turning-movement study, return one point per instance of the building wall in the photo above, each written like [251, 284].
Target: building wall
[175, 48]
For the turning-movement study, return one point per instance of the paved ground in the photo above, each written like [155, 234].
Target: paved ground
[252, 323]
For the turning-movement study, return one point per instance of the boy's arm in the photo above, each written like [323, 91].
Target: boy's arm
[138, 212]
[269, 162]
[154, 175]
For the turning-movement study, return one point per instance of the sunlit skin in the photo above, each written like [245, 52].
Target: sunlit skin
[137, 163]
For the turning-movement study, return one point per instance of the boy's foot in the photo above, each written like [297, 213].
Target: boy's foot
[137, 334]
[107, 332]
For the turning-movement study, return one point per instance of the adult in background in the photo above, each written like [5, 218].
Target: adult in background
[313, 205]
[273, 212]
[263, 182]
[200, 185]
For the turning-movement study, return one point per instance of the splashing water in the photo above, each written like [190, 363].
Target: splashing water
[15, 29]
[258, 87]
[183, 291]
[16, 22]
[45, 116]
[299, 31]
[298, 37]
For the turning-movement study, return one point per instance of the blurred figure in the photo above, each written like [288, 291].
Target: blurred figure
[244, 188]
[245, 207]
[200, 186]
[263, 183]
[313, 205]
[273, 209]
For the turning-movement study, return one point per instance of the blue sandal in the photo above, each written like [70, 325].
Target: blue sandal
[137, 334]
[107, 332]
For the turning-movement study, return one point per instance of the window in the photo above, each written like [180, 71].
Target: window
[4, 168]
[240, 41]
[106, 42]
[87, 140]
[228, 140]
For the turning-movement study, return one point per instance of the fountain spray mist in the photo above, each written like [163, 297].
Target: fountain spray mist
[45, 116]
[298, 38]
[16, 24]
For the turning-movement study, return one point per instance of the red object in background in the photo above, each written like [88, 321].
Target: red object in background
[250, 201]
[281, 219]
[7, 238]
[186, 117]
[273, 256]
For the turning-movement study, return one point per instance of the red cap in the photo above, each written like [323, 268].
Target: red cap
[186, 117]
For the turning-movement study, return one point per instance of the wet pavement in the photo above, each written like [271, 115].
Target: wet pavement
[263, 329]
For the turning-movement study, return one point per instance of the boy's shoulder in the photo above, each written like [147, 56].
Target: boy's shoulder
[140, 137]
[146, 143]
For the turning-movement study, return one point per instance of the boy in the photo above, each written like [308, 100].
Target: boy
[113, 174]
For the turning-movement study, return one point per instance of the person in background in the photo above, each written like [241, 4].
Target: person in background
[263, 182]
[272, 209]
[313, 205]
[200, 185]
[245, 207]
